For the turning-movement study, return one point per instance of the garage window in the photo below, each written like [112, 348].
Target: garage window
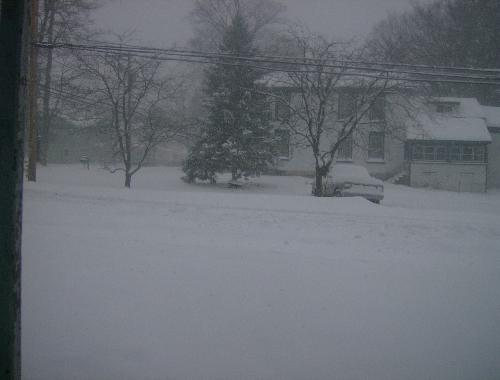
[455, 153]
[468, 153]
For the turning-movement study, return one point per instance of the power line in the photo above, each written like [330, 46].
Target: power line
[389, 74]
[343, 64]
[310, 59]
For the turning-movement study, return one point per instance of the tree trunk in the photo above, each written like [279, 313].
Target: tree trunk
[128, 179]
[318, 190]
[44, 143]
[14, 40]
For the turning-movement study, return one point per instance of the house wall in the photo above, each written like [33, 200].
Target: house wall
[393, 161]
[69, 145]
[494, 159]
[469, 177]
[301, 160]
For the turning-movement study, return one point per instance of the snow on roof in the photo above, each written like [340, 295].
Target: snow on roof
[465, 123]
[492, 116]
[447, 128]
[466, 107]
[276, 79]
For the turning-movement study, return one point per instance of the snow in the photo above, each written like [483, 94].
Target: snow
[353, 174]
[176, 281]
[467, 107]
[466, 123]
[446, 128]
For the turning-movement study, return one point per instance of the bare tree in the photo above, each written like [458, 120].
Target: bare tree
[460, 33]
[59, 21]
[327, 105]
[140, 105]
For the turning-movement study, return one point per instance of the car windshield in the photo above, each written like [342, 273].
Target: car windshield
[350, 171]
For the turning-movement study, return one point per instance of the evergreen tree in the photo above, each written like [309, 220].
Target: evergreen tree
[236, 136]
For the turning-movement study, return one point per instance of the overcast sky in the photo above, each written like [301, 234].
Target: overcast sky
[164, 22]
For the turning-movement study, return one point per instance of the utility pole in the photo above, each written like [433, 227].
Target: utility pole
[33, 96]
[15, 43]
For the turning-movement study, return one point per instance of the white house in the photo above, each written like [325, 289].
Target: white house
[446, 143]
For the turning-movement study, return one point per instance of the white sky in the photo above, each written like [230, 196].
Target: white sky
[164, 22]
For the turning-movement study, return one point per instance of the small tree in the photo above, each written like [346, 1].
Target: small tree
[318, 119]
[132, 98]
[236, 135]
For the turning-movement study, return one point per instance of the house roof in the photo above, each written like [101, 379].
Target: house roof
[466, 107]
[444, 128]
[276, 79]
[492, 116]
[467, 122]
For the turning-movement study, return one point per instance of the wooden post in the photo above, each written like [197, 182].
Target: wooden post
[33, 96]
[14, 40]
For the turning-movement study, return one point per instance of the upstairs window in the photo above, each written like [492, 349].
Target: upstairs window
[376, 146]
[347, 105]
[446, 107]
[468, 153]
[454, 153]
[377, 110]
[344, 152]
[473, 153]
[281, 111]
[280, 106]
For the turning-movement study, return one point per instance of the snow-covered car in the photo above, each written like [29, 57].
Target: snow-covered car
[347, 180]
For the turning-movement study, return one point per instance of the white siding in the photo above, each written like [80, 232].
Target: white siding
[494, 160]
[301, 160]
[447, 176]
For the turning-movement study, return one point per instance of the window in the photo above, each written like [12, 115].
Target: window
[347, 105]
[344, 152]
[455, 153]
[417, 152]
[376, 145]
[441, 153]
[480, 153]
[446, 107]
[465, 153]
[429, 153]
[474, 153]
[282, 146]
[280, 109]
[377, 111]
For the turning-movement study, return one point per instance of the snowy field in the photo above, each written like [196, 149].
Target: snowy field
[176, 281]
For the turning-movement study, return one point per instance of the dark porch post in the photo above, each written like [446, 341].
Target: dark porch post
[13, 40]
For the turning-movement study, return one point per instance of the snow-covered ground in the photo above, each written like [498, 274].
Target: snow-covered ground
[175, 281]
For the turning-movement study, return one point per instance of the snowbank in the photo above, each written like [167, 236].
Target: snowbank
[172, 281]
